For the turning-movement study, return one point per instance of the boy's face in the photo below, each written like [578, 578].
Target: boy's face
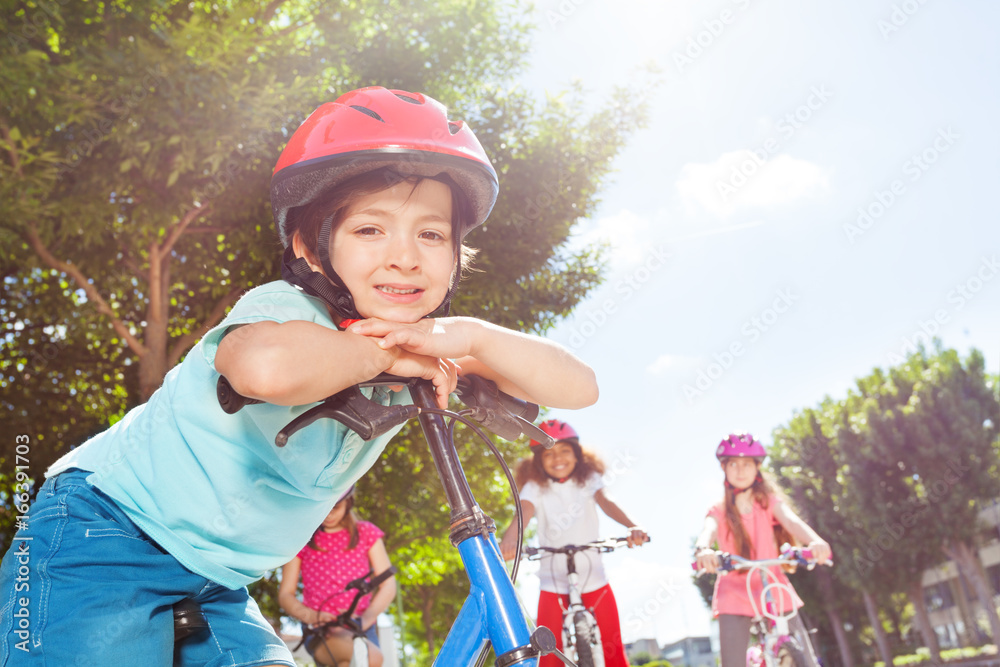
[394, 250]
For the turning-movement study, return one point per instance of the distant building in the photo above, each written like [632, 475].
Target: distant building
[643, 646]
[690, 652]
[953, 607]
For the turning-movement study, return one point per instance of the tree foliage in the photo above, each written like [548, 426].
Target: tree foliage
[875, 472]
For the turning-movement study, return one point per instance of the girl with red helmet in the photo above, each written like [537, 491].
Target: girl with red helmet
[752, 520]
[562, 488]
[342, 549]
[372, 198]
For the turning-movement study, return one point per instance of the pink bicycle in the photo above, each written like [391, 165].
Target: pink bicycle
[772, 644]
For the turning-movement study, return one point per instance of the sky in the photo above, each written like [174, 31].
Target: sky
[815, 193]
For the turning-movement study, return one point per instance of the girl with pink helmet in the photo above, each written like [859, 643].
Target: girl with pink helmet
[562, 488]
[752, 520]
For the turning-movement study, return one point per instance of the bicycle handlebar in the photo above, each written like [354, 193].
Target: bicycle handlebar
[345, 619]
[789, 556]
[600, 546]
[504, 415]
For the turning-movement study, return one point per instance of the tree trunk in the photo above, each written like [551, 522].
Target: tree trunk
[881, 640]
[843, 646]
[825, 582]
[916, 593]
[968, 563]
[428, 615]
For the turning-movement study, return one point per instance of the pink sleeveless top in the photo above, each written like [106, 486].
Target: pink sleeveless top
[730, 595]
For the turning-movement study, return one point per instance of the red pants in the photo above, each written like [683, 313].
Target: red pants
[602, 603]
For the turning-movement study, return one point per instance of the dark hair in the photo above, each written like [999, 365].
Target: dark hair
[761, 491]
[587, 462]
[308, 220]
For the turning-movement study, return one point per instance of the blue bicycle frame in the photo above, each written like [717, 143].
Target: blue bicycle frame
[492, 612]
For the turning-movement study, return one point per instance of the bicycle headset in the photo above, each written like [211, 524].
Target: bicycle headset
[363, 131]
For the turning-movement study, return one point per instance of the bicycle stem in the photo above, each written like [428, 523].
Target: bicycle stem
[449, 467]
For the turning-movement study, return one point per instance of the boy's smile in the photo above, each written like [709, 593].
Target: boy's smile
[395, 252]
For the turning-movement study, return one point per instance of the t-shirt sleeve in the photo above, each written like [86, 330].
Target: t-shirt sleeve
[530, 492]
[305, 553]
[269, 303]
[368, 534]
[594, 484]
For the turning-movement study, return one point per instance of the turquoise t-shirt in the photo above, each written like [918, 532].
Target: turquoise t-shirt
[213, 489]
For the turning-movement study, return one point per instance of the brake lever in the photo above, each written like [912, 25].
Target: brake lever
[355, 411]
[504, 415]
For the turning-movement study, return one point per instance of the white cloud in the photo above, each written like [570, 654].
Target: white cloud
[741, 180]
[626, 233]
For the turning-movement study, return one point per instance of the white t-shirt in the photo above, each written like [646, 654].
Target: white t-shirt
[567, 514]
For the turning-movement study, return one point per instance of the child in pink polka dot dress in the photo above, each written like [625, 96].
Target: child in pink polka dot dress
[342, 549]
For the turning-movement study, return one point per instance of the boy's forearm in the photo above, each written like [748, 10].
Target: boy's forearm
[529, 367]
[297, 362]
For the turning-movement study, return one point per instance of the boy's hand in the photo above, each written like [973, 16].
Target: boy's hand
[442, 372]
[445, 337]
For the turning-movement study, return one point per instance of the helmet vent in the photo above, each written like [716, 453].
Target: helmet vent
[454, 127]
[368, 112]
[407, 98]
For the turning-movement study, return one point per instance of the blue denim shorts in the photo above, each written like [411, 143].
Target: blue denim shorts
[82, 585]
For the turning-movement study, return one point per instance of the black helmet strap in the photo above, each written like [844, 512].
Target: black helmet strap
[296, 271]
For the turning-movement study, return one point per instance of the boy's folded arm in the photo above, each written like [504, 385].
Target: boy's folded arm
[297, 362]
[529, 367]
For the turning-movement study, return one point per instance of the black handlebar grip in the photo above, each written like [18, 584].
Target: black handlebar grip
[230, 401]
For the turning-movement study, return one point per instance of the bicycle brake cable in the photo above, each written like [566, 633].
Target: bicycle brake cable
[461, 417]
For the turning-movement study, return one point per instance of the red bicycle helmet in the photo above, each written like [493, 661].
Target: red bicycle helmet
[557, 430]
[740, 444]
[365, 130]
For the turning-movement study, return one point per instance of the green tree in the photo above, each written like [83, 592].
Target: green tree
[875, 471]
[805, 460]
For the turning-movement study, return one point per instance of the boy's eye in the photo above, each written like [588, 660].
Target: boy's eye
[432, 235]
[366, 231]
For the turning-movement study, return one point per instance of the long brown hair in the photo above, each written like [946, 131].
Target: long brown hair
[530, 469]
[761, 492]
[349, 523]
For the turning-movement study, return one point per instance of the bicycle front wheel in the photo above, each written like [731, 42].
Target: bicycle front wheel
[791, 655]
[588, 647]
